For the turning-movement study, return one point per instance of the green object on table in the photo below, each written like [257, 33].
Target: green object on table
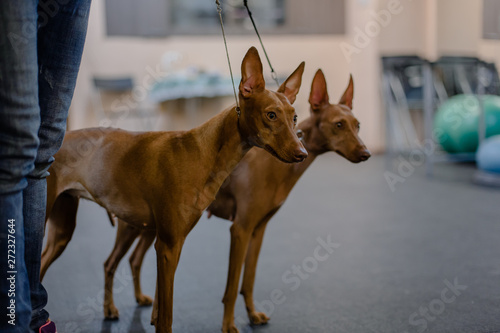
[456, 123]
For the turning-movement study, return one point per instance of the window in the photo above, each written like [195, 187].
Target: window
[160, 18]
[198, 16]
[491, 19]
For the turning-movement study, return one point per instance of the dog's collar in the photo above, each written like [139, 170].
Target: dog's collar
[300, 135]
[302, 138]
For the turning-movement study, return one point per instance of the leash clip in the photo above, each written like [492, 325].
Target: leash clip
[275, 77]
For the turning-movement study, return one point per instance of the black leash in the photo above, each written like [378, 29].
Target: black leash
[273, 73]
[219, 10]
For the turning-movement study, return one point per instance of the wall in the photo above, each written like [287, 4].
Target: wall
[118, 56]
[432, 28]
[460, 30]
[405, 32]
[429, 28]
[489, 49]
[365, 67]
[459, 27]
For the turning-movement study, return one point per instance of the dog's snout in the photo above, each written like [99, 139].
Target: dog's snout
[364, 155]
[300, 154]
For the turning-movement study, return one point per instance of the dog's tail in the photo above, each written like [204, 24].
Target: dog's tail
[112, 218]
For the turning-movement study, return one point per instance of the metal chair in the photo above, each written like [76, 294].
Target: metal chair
[402, 87]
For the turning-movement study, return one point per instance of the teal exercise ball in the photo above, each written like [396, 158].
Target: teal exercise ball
[488, 155]
[457, 120]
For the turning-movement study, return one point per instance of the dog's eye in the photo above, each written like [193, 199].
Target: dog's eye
[359, 125]
[295, 120]
[339, 124]
[271, 116]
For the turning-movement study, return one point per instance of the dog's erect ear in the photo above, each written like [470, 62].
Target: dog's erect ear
[290, 88]
[252, 79]
[346, 99]
[319, 93]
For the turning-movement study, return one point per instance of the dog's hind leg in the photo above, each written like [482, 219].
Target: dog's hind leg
[125, 236]
[146, 239]
[61, 223]
[154, 313]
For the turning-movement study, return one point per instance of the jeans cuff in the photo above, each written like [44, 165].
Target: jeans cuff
[41, 170]
[38, 318]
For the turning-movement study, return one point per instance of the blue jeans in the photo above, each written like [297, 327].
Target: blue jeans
[41, 44]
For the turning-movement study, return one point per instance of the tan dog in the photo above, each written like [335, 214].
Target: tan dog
[259, 186]
[251, 196]
[165, 180]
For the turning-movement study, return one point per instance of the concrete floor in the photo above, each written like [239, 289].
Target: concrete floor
[422, 258]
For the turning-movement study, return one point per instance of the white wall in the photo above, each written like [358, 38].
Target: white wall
[115, 56]
[429, 28]
[365, 67]
[489, 49]
[433, 28]
[459, 27]
[460, 30]
[405, 33]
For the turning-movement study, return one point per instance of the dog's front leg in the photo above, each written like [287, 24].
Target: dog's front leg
[167, 256]
[256, 318]
[239, 244]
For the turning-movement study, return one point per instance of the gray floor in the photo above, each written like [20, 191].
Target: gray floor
[399, 252]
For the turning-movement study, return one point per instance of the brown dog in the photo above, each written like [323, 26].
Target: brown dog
[251, 196]
[259, 186]
[165, 180]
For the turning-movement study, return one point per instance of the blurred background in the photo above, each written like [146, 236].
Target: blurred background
[419, 220]
[160, 44]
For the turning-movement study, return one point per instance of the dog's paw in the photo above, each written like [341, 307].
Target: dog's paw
[163, 330]
[154, 317]
[144, 300]
[111, 312]
[230, 329]
[258, 318]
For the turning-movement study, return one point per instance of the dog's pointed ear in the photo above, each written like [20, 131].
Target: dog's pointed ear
[252, 79]
[319, 93]
[346, 99]
[290, 88]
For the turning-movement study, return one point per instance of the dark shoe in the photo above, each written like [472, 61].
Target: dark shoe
[48, 327]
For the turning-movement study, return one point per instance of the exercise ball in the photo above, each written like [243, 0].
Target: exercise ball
[456, 122]
[488, 155]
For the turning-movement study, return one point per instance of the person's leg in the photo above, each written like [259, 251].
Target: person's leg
[19, 124]
[61, 37]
